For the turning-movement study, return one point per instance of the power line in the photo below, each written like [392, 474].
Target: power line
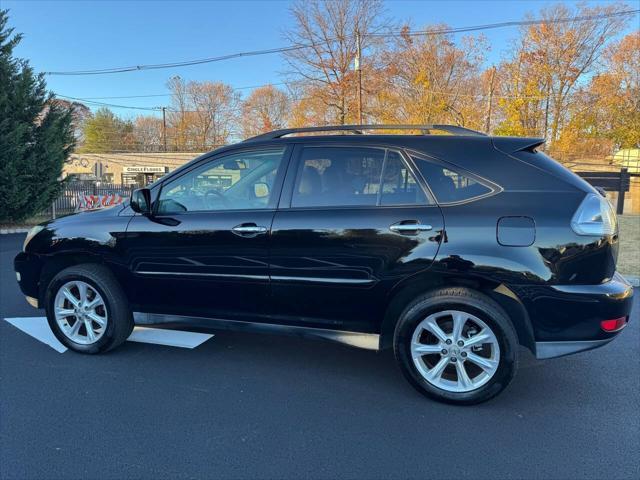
[478, 96]
[170, 94]
[517, 23]
[103, 104]
[134, 68]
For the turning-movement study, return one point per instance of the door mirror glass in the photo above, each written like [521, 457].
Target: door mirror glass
[261, 190]
[141, 201]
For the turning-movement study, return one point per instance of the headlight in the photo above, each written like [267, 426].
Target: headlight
[594, 217]
[32, 233]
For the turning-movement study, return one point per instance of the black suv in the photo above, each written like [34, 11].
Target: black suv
[451, 249]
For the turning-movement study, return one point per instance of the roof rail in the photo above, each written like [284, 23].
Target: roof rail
[452, 129]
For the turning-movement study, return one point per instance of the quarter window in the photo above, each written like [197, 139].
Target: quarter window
[354, 176]
[447, 185]
[234, 182]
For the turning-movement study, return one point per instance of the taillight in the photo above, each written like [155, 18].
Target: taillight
[594, 217]
[613, 325]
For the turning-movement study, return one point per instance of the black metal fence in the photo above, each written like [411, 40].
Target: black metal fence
[619, 182]
[77, 195]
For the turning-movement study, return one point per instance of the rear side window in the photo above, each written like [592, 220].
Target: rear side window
[447, 185]
[399, 186]
[354, 176]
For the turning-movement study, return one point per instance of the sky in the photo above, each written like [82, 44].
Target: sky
[79, 35]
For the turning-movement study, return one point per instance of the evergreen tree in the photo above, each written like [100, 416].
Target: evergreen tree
[36, 135]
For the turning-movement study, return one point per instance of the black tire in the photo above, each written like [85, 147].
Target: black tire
[119, 317]
[469, 301]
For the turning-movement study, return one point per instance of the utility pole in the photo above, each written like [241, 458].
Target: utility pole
[164, 128]
[490, 102]
[359, 74]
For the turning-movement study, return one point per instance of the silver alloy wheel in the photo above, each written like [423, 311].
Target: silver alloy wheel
[455, 351]
[80, 312]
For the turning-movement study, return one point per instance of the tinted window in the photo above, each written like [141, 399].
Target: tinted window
[338, 176]
[233, 182]
[354, 176]
[399, 186]
[448, 185]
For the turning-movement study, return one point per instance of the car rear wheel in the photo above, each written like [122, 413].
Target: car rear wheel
[457, 346]
[87, 309]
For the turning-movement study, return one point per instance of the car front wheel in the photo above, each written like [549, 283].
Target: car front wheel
[87, 309]
[457, 346]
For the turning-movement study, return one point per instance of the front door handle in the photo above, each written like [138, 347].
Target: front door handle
[249, 230]
[413, 228]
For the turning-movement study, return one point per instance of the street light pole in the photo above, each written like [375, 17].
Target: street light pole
[490, 101]
[359, 74]
[164, 128]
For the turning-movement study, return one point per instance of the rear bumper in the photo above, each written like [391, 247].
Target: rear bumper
[567, 318]
[546, 350]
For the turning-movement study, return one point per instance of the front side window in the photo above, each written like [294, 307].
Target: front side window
[354, 176]
[237, 181]
[447, 185]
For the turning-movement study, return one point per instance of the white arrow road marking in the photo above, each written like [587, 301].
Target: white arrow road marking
[171, 338]
[38, 328]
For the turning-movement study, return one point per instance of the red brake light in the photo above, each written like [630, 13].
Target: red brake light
[613, 325]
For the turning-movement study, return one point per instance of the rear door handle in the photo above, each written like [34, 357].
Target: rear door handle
[410, 228]
[249, 230]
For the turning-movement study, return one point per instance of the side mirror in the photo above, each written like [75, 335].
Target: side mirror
[261, 190]
[141, 201]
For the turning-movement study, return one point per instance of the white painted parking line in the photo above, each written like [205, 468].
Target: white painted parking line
[172, 338]
[38, 328]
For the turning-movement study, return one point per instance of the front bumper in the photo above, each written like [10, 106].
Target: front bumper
[566, 318]
[28, 267]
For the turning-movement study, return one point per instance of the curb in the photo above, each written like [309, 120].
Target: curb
[633, 280]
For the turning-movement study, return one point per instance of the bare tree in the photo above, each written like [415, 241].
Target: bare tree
[215, 110]
[79, 114]
[177, 120]
[147, 132]
[266, 109]
[327, 32]
[202, 114]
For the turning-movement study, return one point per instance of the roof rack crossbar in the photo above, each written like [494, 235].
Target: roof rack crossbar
[452, 129]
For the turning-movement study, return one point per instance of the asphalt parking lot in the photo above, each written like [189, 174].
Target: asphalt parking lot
[262, 406]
